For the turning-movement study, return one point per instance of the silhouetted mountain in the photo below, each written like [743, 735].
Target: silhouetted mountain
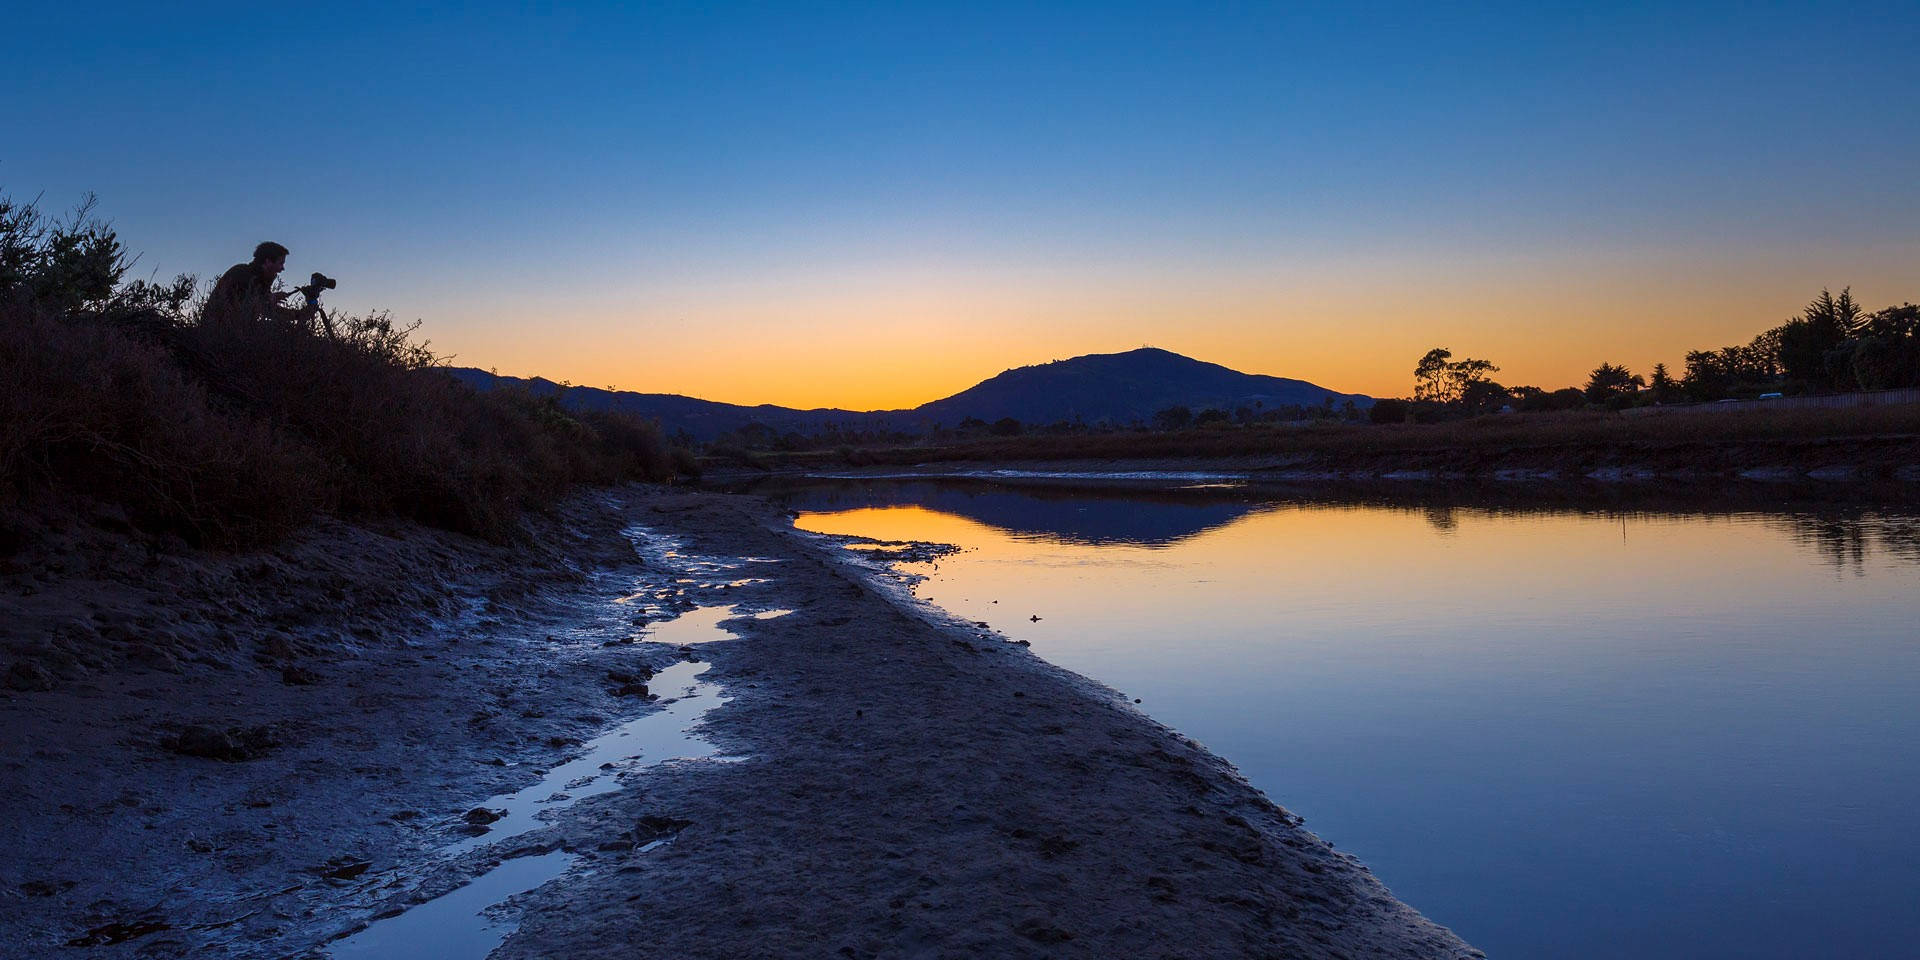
[1122, 388]
[704, 419]
[1115, 388]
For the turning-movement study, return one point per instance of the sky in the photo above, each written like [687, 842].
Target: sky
[877, 205]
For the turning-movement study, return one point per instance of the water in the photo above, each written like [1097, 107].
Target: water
[465, 924]
[1562, 733]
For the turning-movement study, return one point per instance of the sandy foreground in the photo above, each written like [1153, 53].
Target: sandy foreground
[285, 746]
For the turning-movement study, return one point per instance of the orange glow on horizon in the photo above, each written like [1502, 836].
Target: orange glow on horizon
[878, 342]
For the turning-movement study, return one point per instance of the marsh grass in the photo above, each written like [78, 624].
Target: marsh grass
[1671, 434]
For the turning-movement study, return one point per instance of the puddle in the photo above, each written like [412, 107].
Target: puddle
[456, 926]
[634, 745]
[445, 927]
[702, 625]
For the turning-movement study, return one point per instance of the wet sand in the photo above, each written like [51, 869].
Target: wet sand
[895, 784]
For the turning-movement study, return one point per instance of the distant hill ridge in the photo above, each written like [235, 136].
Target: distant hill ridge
[1114, 388]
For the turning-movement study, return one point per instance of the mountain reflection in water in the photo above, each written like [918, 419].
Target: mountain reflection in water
[1565, 722]
[1845, 535]
[1150, 518]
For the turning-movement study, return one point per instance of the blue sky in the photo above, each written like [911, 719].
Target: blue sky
[693, 198]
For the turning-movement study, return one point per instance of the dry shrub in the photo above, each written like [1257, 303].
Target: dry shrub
[401, 437]
[234, 433]
[231, 435]
[85, 409]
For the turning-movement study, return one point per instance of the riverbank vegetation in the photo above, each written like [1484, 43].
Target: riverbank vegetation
[1581, 439]
[115, 399]
[1834, 346]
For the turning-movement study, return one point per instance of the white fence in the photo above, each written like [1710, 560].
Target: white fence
[1876, 398]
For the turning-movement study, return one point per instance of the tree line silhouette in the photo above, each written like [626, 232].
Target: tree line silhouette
[1834, 346]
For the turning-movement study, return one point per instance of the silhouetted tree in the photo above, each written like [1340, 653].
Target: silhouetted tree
[1881, 363]
[1430, 380]
[1006, 427]
[59, 265]
[1894, 323]
[1707, 376]
[1438, 378]
[1212, 415]
[1566, 398]
[1482, 397]
[1173, 418]
[1662, 385]
[1808, 343]
[1610, 380]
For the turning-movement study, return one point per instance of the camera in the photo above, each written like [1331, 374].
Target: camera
[319, 282]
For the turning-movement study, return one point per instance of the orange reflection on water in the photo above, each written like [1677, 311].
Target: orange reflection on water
[1291, 572]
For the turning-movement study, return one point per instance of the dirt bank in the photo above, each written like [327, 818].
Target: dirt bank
[903, 785]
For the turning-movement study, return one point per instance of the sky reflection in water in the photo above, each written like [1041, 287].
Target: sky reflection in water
[1562, 734]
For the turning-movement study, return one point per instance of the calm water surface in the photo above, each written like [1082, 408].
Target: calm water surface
[1562, 734]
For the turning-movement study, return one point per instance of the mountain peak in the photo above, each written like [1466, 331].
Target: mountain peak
[1122, 388]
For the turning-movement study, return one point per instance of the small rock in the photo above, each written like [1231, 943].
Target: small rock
[148, 655]
[294, 676]
[26, 675]
[653, 827]
[345, 868]
[481, 816]
[632, 690]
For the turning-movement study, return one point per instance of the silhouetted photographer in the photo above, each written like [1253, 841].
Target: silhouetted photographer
[245, 293]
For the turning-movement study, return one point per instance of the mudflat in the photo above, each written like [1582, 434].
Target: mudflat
[305, 755]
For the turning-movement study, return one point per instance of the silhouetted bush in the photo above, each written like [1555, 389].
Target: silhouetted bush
[1389, 410]
[236, 433]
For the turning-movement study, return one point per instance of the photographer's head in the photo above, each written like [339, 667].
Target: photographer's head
[270, 258]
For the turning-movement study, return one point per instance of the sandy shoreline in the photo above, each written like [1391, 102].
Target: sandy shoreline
[902, 786]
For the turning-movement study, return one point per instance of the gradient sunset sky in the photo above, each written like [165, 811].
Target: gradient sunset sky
[878, 205]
